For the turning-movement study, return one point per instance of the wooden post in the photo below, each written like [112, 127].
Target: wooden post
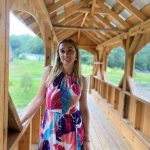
[25, 142]
[36, 126]
[4, 61]
[47, 37]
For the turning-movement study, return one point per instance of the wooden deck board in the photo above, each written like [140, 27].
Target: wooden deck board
[108, 135]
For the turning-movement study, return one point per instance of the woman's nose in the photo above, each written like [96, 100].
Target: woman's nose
[66, 53]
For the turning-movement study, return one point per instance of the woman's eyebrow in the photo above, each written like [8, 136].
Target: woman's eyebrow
[64, 48]
[70, 47]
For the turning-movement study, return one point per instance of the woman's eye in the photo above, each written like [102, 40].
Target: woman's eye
[62, 51]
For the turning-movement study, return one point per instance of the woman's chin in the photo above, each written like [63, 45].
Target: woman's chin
[67, 63]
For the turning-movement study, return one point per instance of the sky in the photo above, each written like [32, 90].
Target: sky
[17, 27]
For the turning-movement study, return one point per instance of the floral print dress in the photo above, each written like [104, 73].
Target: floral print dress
[62, 127]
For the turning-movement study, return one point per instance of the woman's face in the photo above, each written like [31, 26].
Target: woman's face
[67, 53]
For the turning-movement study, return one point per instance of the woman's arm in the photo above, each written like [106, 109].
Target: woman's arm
[84, 108]
[38, 99]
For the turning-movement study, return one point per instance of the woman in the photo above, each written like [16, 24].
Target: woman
[64, 126]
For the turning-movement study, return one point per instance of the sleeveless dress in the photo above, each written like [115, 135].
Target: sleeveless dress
[62, 127]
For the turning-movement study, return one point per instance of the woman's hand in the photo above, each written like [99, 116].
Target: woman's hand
[86, 145]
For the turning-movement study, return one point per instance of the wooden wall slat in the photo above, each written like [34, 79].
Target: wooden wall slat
[25, 142]
[36, 127]
[14, 122]
[4, 59]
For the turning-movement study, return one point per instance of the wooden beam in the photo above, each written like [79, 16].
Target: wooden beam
[88, 35]
[69, 34]
[117, 8]
[97, 33]
[85, 16]
[71, 22]
[52, 8]
[29, 20]
[140, 28]
[45, 12]
[103, 34]
[104, 22]
[113, 15]
[93, 36]
[143, 28]
[127, 5]
[88, 10]
[86, 28]
[71, 18]
[93, 7]
[88, 48]
[4, 71]
[14, 122]
[38, 10]
[111, 41]
[63, 32]
[70, 11]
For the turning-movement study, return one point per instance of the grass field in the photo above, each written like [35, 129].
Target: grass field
[25, 77]
[114, 76]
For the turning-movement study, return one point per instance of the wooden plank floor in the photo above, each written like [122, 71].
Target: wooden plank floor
[104, 135]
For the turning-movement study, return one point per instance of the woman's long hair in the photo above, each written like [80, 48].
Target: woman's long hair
[58, 66]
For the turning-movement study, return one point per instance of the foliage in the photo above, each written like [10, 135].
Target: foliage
[86, 58]
[26, 44]
[142, 62]
[117, 58]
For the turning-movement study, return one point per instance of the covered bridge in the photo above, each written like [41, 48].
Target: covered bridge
[97, 26]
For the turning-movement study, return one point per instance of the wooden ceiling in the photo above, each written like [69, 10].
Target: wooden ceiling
[95, 20]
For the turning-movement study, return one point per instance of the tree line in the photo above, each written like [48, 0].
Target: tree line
[29, 44]
[142, 58]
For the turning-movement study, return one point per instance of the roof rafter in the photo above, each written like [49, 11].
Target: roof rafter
[84, 28]
[85, 16]
[68, 34]
[70, 11]
[93, 7]
[92, 37]
[97, 35]
[104, 22]
[126, 4]
[57, 5]
[87, 9]
[72, 21]
[114, 16]
[102, 33]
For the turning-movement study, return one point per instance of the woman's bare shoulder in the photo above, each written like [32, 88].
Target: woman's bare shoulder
[48, 68]
[47, 71]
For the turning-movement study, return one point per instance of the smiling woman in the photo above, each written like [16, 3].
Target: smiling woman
[64, 125]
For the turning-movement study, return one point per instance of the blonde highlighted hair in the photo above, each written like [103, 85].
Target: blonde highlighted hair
[58, 66]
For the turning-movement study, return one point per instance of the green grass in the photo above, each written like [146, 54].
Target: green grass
[17, 71]
[114, 75]
[33, 70]
[86, 70]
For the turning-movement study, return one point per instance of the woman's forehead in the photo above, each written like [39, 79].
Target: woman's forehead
[65, 45]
